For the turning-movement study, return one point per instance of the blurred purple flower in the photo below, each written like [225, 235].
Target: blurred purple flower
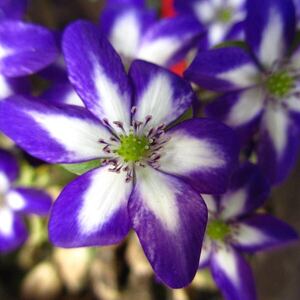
[25, 48]
[12, 9]
[223, 19]
[15, 202]
[150, 178]
[262, 88]
[135, 33]
[297, 6]
[234, 227]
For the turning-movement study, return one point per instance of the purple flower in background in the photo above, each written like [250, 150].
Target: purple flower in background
[150, 178]
[222, 18]
[24, 48]
[12, 9]
[261, 90]
[297, 6]
[15, 202]
[135, 33]
[233, 227]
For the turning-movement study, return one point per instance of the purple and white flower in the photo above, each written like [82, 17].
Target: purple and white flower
[261, 88]
[222, 18]
[233, 227]
[135, 32]
[150, 177]
[15, 202]
[24, 48]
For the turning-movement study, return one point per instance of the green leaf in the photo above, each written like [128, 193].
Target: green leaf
[234, 43]
[82, 168]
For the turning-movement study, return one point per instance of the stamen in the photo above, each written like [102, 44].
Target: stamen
[119, 125]
[147, 119]
[101, 141]
[139, 146]
[280, 84]
[106, 122]
[106, 149]
[133, 110]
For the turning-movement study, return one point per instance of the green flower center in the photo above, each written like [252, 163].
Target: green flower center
[217, 230]
[225, 15]
[133, 148]
[280, 84]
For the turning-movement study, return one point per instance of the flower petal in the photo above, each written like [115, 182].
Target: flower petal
[206, 253]
[261, 232]
[11, 86]
[240, 110]
[169, 40]
[169, 218]
[295, 57]
[212, 203]
[12, 231]
[62, 93]
[223, 69]
[270, 29]
[203, 152]
[278, 143]
[97, 73]
[117, 3]
[292, 104]
[29, 200]
[124, 25]
[25, 48]
[12, 9]
[91, 210]
[9, 168]
[159, 93]
[55, 134]
[204, 10]
[247, 191]
[217, 33]
[233, 275]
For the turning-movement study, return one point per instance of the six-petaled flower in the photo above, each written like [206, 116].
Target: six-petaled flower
[151, 174]
[261, 88]
[234, 228]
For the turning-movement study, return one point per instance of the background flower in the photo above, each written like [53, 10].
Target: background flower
[234, 228]
[223, 19]
[15, 202]
[261, 95]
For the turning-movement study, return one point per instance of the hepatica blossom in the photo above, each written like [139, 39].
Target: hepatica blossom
[135, 32]
[15, 202]
[151, 175]
[223, 19]
[24, 48]
[261, 88]
[234, 228]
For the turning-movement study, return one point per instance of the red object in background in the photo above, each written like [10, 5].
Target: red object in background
[167, 8]
[179, 68]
